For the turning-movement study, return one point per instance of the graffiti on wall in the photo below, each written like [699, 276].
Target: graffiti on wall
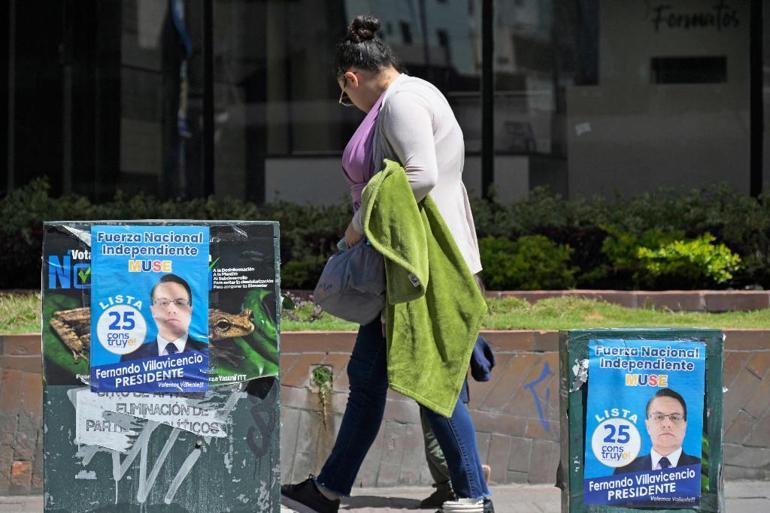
[541, 395]
[103, 426]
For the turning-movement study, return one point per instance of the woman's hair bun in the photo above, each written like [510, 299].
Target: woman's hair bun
[362, 49]
[363, 28]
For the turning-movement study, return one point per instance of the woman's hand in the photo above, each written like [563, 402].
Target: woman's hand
[352, 236]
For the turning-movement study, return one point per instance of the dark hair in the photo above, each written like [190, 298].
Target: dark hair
[171, 278]
[667, 392]
[362, 48]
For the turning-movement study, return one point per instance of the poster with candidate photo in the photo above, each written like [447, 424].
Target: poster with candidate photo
[644, 423]
[243, 300]
[149, 308]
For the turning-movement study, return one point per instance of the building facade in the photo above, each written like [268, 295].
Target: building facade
[186, 98]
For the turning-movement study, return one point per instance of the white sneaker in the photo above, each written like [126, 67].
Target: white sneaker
[463, 506]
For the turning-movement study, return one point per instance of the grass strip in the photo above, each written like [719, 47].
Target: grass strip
[20, 313]
[563, 313]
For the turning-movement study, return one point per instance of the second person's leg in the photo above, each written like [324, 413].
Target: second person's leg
[367, 373]
[457, 438]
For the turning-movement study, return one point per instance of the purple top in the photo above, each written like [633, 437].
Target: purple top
[357, 158]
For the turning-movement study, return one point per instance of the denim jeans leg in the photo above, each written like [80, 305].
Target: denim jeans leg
[433, 455]
[367, 373]
[457, 438]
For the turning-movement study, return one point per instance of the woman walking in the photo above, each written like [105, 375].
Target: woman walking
[408, 121]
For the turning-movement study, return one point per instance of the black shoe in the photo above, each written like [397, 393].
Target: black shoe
[436, 499]
[488, 506]
[305, 497]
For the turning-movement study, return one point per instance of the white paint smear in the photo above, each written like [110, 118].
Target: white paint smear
[91, 428]
[582, 128]
[110, 420]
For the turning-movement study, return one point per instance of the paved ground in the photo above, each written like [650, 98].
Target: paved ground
[742, 497]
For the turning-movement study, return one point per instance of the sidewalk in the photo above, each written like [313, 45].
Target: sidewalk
[508, 499]
[742, 497]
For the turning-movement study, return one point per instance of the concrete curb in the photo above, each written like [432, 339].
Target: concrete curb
[676, 300]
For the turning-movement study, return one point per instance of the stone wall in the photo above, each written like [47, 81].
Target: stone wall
[676, 300]
[517, 439]
[747, 405]
[21, 415]
[516, 414]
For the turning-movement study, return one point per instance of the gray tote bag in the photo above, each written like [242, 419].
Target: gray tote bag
[352, 284]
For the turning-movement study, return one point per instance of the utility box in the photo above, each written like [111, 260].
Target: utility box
[161, 356]
[641, 420]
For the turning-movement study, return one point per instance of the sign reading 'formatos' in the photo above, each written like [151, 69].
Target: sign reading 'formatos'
[718, 16]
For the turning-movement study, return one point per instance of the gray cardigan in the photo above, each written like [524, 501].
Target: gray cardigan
[417, 128]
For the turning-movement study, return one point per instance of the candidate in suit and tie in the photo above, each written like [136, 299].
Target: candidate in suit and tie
[172, 311]
[666, 424]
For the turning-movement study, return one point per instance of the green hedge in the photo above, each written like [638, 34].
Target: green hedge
[308, 234]
[712, 238]
[531, 262]
[591, 226]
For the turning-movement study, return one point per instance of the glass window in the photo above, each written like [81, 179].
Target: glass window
[589, 96]
[161, 91]
[114, 89]
[765, 96]
[406, 32]
[279, 127]
[670, 103]
[602, 97]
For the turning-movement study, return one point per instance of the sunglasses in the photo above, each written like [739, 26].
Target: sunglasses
[344, 99]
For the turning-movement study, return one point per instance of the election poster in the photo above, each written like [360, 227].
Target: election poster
[644, 423]
[233, 303]
[244, 299]
[234, 290]
[149, 306]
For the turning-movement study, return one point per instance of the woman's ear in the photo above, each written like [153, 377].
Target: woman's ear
[351, 79]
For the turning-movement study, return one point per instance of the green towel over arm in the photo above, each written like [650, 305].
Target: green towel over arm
[434, 308]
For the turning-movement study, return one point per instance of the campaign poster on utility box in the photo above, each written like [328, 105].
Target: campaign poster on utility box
[149, 308]
[644, 423]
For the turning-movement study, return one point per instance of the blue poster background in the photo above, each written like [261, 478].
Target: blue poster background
[623, 376]
[127, 261]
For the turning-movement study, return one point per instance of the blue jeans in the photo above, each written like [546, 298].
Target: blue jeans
[367, 372]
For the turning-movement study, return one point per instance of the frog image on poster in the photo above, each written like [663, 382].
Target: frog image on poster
[249, 341]
[227, 325]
